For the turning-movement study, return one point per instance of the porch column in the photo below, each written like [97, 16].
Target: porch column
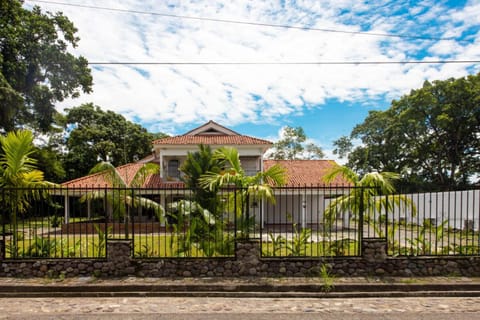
[67, 209]
[89, 208]
[161, 165]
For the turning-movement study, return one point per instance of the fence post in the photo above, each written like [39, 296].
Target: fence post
[132, 220]
[3, 213]
[235, 218]
[361, 210]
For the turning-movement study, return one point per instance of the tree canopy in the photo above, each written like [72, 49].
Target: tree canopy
[96, 135]
[431, 136]
[293, 146]
[36, 69]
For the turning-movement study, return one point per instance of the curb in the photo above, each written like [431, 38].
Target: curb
[243, 290]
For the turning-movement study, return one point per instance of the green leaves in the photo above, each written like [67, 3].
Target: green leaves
[431, 136]
[17, 167]
[102, 135]
[35, 64]
[292, 146]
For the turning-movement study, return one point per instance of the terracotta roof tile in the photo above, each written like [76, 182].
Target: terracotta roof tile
[299, 173]
[211, 140]
[306, 172]
[127, 172]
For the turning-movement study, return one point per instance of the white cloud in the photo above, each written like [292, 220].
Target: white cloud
[165, 96]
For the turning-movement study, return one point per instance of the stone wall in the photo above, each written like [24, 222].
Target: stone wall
[246, 263]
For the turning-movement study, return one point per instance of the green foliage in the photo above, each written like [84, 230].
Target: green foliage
[368, 195]
[101, 245]
[96, 134]
[122, 197]
[278, 243]
[292, 146]
[339, 248]
[19, 178]
[196, 229]
[248, 188]
[197, 164]
[301, 237]
[146, 251]
[343, 146]
[429, 135]
[50, 157]
[55, 221]
[428, 240]
[36, 68]
[42, 247]
[327, 278]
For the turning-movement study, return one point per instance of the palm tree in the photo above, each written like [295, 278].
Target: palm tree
[20, 180]
[121, 196]
[366, 195]
[246, 187]
[197, 164]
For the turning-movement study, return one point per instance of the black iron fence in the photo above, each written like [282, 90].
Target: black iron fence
[177, 222]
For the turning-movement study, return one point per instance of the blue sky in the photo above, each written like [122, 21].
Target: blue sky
[259, 100]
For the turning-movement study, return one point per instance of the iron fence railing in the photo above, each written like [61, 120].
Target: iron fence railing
[313, 221]
[435, 223]
[309, 222]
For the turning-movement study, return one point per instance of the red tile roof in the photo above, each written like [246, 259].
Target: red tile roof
[212, 140]
[306, 172]
[299, 173]
[127, 172]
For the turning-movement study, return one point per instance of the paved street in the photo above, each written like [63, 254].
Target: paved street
[240, 308]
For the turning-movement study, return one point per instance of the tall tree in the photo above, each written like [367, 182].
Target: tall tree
[36, 69]
[97, 135]
[431, 136]
[343, 146]
[293, 145]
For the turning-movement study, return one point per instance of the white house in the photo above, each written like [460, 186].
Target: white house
[170, 153]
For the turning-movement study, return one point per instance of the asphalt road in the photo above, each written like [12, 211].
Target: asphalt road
[241, 308]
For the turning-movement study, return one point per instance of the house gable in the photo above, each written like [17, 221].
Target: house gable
[211, 128]
[211, 133]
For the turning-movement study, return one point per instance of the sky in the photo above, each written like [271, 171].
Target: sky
[249, 94]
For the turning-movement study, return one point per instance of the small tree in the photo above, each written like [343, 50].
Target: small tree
[121, 196]
[197, 164]
[247, 188]
[366, 195]
[20, 180]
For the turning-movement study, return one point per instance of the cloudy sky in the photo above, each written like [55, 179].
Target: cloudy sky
[274, 53]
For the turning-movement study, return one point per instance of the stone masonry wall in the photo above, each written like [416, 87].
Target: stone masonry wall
[246, 263]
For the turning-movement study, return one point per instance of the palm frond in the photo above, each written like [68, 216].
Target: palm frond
[342, 171]
[143, 173]
[231, 157]
[111, 173]
[275, 175]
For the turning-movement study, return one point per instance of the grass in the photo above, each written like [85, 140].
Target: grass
[90, 246]
[36, 238]
[314, 249]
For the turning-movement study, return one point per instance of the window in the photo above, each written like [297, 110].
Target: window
[172, 170]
